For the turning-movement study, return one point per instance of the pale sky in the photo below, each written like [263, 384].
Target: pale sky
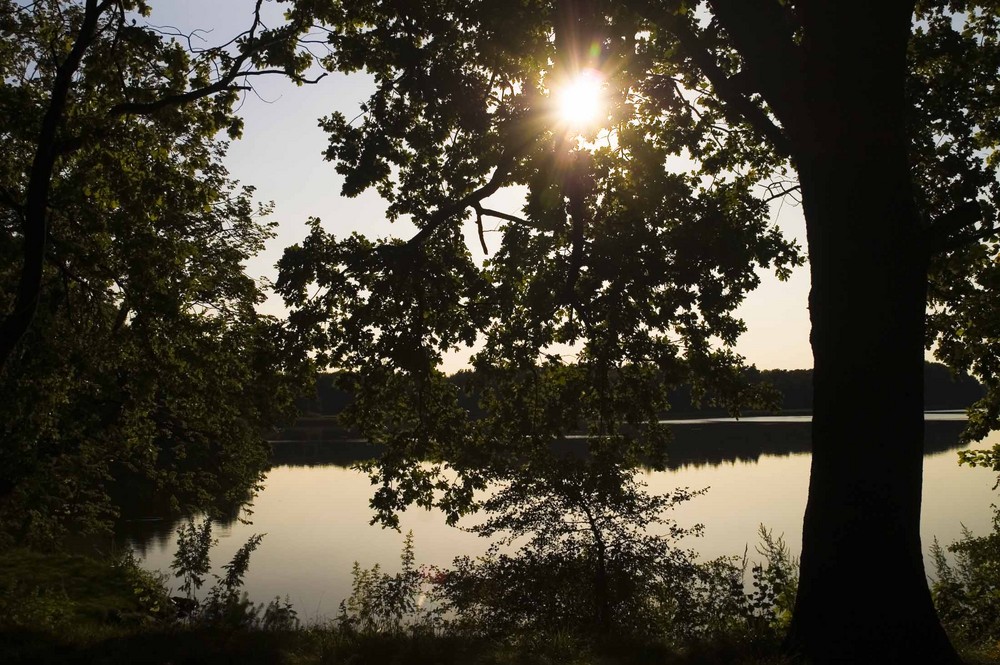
[281, 154]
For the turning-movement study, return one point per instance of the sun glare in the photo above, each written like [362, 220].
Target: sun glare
[580, 101]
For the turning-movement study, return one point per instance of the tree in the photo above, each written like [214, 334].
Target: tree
[956, 84]
[881, 117]
[133, 357]
[170, 79]
[585, 562]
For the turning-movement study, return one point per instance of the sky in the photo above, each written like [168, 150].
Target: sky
[281, 154]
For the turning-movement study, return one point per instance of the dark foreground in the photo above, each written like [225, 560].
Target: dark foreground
[57, 608]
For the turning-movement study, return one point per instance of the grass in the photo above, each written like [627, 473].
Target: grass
[60, 590]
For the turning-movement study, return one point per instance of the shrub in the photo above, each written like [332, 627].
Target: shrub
[599, 559]
[225, 605]
[967, 594]
[588, 562]
[381, 603]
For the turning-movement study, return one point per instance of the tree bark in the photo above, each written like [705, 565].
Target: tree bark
[863, 595]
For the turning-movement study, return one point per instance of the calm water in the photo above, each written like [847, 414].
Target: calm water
[315, 511]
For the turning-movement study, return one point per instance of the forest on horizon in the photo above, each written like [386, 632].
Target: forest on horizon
[942, 390]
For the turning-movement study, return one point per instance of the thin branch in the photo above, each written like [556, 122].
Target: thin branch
[173, 31]
[145, 108]
[8, 200]
[693, 110]
[953, 222]
[479, 227]
[782, 193]
[966, 239]
[487, 212]
[294, 77]
[71, 275]
[225, 83]
[122, 317]
[575, 193]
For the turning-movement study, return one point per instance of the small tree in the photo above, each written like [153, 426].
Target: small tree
[192, 561]
[595, 555]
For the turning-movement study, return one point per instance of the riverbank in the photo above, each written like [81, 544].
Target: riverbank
[57, 608]
[61, 608]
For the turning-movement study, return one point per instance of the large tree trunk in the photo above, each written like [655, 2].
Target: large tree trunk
[863, 595]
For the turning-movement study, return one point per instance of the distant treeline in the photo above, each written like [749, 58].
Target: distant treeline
[942, 390]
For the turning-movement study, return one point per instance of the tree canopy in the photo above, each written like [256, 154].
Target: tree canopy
[638, 266]
[135, 363]
[640, 234]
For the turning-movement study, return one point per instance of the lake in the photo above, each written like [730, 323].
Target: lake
[314, 508]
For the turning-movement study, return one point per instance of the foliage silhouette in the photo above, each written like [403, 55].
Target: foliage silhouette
[386, 604]
[146, 370]
[224, 606]
[965, 592]
[639, 257]
[587, 585]
[591, 559]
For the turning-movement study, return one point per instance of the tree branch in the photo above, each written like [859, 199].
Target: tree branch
[762, 34]
[737, 106]
[576, 190]
[479, 227]
[943, 230]
[470, 200]
[35, 225]
[961, 240]
[8, 200]
[146, 108]
[225, 83]
[781, 193]
[487, 212]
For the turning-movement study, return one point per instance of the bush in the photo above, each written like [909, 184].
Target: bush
[225, 605]
[587, 563]
[54, 591]
[388, 604]
[967, 594]
[588, 569]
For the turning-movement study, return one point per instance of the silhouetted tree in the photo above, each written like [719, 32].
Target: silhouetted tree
[76, 99]
[878, 116]
[131, 353]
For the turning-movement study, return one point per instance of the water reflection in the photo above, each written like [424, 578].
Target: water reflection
[695, 443]
[315, 511]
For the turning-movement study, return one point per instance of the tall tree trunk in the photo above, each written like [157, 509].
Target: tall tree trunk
[863, 595]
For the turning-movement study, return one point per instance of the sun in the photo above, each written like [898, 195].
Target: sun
[580, 101]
